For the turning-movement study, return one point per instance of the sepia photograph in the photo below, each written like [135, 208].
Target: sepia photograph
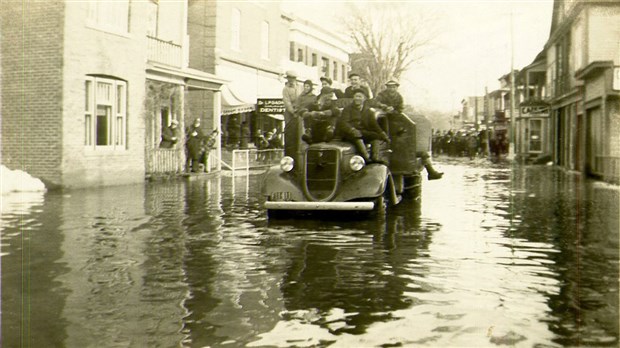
[297, 173]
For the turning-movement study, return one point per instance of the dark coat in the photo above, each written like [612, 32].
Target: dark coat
[348, 92]
[169, 137]
[304, 101]
[359, 124]
[389, 98]
[322, 121]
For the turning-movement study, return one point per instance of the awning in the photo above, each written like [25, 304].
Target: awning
[194, 79]
[276, 116]
[231, 104]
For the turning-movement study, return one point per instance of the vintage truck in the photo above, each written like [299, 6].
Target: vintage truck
[332, 176]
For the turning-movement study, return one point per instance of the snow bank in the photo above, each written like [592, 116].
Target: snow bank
[18, 181]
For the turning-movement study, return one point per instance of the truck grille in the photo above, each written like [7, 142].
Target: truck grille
[321, 172]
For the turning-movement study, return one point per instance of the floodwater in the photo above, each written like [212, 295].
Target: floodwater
[492, 255]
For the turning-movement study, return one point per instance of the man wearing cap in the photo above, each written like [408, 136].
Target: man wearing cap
[327, 82]
[170, 135]
[306, 98]
[357, 124]
[356, 83]
[320, 119]
[390, 99]
[290, 93]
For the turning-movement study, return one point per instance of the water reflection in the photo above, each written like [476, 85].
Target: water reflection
[493, 255]
[32, 298]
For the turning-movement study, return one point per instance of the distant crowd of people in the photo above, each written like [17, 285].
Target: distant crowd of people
[469, 143]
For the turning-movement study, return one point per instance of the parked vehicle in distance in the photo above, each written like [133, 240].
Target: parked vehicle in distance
[332, 176]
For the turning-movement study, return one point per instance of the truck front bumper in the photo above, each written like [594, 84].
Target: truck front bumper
[284, 205]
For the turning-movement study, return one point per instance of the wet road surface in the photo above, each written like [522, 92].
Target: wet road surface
[492, 255]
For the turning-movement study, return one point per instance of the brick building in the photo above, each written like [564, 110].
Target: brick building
[74, 87]
[243, 43]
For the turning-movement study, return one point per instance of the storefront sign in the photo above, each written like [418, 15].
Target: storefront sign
[270, 106]
[534, 110]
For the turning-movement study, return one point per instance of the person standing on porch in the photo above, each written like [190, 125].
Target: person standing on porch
[170, 135]
[290, 93]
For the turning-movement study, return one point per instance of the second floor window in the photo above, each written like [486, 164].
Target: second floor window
[314, 59]
[335, 71]
[109, 15]
[325, 66]
[235, 30]
[300, 55]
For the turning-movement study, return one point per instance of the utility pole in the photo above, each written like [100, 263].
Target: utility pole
[511, 134]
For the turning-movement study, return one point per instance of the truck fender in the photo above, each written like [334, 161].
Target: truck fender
[371, 182]
[276, 180]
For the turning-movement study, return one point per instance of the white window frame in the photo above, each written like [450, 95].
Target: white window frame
[235, 29]
[111, 95]
[110, 16]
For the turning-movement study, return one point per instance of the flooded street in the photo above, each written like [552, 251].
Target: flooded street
[492, 255]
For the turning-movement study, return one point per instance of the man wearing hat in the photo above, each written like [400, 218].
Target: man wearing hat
[356, 83]
[358, 124]
[290, 93]
[390, 99]
[320, 119]
[327, 82]
[170, 135]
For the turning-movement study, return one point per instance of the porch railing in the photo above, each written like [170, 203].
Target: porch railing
[161, 161]
[251, 159]
[165, 52]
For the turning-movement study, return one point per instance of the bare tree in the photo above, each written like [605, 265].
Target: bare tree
[388, 39]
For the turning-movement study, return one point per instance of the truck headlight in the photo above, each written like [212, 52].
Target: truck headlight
[287, 163]
[356, 163]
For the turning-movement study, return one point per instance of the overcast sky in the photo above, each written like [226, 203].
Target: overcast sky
[471, 50]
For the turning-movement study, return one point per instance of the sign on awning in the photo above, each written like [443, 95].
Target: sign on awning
[270, 106]
[534, 110]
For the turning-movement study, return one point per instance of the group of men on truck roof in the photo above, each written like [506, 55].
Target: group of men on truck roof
[356, 123]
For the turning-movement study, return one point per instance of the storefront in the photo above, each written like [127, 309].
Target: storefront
[532, 130]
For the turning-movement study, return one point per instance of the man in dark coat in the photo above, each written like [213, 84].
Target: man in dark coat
[327, 82]
[356, 83]
[170, 135]
[390, 98]
[320, 119]
[194, 150]
[358, 124]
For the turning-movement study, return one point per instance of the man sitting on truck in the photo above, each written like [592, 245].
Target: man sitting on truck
[358, 124]
[392, 101]
[320, 119]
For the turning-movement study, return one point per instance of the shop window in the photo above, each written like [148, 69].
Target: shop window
[105, 116]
